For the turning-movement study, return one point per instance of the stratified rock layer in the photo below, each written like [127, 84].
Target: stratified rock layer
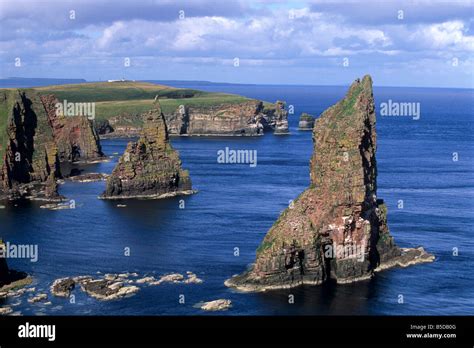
[248, 118]
[75, 136]
[280, 118]
[149, 168]
[36, 140]
[336, 229]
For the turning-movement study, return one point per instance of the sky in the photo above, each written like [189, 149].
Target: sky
[400, 43]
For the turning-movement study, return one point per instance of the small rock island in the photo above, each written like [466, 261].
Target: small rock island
[306, 122]
[336, 229]
[149, 167]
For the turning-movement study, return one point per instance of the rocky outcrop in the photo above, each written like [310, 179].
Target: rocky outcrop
[306, 122]
[278, 118]
[216, 305]
[337, 229]
[30, 163]
[75, 136]
[4, 271]
[9, 278]
[150, 167]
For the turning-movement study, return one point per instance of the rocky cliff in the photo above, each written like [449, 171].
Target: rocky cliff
[150, 167]
[226, 119]
[249, 118]
[336, 229]
[35, 140]
[75, 136]
[30, 164]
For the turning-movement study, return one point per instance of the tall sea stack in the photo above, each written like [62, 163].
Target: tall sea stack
[150, 167]
[337, 228]
[29, 154]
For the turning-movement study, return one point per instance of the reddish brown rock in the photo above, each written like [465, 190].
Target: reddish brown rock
[337, 228]
[150, 167]
[75, 136]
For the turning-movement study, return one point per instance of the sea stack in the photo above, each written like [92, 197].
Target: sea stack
[150, 167]
[336, 230]
[306, 122]
[281, 118]
[29, 154]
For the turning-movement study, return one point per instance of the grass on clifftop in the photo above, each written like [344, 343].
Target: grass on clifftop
[133, 98]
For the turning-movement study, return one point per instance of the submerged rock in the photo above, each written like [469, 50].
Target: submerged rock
[5, 310]
[38, 298]
[102, 289]
[337, 228]
[62, 287]
[306, 122]
[216, 305]
[150, 167]
[89, 177]
[57, 206]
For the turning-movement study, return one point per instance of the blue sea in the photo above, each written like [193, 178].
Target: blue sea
[237, 204]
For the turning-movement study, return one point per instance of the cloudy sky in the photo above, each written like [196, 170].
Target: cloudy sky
[401, 43]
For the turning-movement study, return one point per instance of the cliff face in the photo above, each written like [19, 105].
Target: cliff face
[250, 118]
[227, 119]
[336, 229]
[36, 140]
[278, 118]
[30, 164]
[75, 136]
[149, 168]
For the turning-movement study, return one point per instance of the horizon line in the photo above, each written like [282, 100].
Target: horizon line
[223, 83]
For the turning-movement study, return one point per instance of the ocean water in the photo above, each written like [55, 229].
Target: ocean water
[237, 204]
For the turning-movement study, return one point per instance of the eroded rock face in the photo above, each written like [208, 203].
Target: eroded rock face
[280, 119]
[249, 118]
[75, 136]
[150, 167]
[337, 228]
[36, 141]
[243, 119]
[30, 163]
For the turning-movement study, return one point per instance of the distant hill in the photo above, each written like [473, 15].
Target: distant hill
[22, 82]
